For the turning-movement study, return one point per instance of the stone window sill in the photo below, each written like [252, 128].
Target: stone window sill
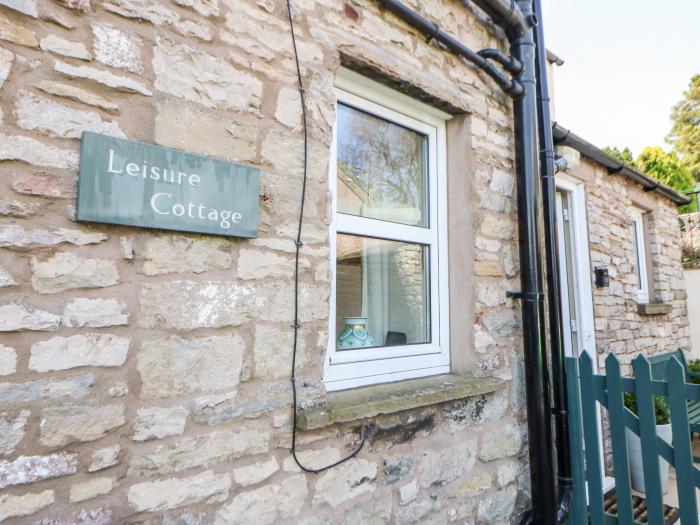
[366, 402]
[653, 308]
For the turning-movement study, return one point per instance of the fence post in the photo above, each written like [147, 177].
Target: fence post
[647, 435]
[621, 466]
[682, 447]
[594, 474]
[579, 511]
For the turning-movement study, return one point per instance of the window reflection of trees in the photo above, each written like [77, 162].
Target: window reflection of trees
[382, 162]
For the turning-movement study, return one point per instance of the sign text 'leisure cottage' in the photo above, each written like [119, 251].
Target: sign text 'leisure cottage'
[136, 184]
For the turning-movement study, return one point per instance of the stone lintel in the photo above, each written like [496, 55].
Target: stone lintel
[654, 308]
[371, 401]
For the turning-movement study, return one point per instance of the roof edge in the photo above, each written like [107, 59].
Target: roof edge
[565, 137]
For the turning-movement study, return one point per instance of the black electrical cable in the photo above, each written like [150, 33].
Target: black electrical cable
[299, 244]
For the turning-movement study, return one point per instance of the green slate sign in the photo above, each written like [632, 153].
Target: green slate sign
[136, 184]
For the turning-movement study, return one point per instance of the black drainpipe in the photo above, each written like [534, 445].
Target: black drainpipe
[518, 20]
[548, 170]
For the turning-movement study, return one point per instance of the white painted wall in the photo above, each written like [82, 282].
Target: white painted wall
[692, 280]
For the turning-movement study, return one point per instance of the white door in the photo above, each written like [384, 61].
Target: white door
[567, 269]
[578, 328]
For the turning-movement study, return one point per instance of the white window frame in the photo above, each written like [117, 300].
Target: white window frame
[353, 368]
[641, 253]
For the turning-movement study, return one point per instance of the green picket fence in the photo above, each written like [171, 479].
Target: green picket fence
[587, 390]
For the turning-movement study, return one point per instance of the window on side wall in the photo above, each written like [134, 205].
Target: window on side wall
[388, 238]
[640, 260]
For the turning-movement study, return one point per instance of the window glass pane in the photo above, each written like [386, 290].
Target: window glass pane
[635, 228]
[382, 169]
[382, 288]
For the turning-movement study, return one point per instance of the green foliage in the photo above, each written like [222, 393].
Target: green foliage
[666, 168]
[661, 411]
[625, 155]
[694, 366]
[685, 133]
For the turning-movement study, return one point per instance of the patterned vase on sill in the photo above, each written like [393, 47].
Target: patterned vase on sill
[354, 334]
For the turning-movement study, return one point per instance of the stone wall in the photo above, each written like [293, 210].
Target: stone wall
[145, 374]
[619, 327]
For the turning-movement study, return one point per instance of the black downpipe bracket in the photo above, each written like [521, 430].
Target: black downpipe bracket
[556, 346]
[518, 20]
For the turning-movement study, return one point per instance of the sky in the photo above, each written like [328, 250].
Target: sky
[627, 62]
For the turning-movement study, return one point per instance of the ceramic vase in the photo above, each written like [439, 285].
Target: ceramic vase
[354, 334]
[634, 452]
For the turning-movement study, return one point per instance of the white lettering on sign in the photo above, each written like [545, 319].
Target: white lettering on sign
[152, 172]
[161, 203]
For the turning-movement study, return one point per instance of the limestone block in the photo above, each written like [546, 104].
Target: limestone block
[29, 469]
[38, 113]
[212, 410]
[271, 351]
[71, 92]
[178, 254]
[25, 504]
[66, 48]
[175, 492]
[288, 110]
[67, 271]
[186, 305]
[348, 480]
[94, 313]
[13, 428]
[87, 349]
[376, 511]
[176, 366]
[118, 82]
[75, 387]
[158, 422]
[26, 7]
[437, 468]
[502, 182]
[104, 458]
[498, 226]
[6, 279]
[312, 458]
[82, 6]
[14, 236]
[6, 59]
[15, 208]
[416, 511]
[509, 443]
[507, 473]
[255, 473]
[8, 360]
[186, 126]
[186, 72]
[15, 317]
[31, 151]
[408, 493]
[397, 467]
[156, 13]
[17, 34]
[202, 450]
[497, 506]
[91, 489]
[78, 423]
[116, 48]
[266, 505]
[46, 185]
[203, 7]
[258, 264]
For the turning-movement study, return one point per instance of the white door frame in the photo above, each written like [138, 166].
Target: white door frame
[586, 317]
[579, 220]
